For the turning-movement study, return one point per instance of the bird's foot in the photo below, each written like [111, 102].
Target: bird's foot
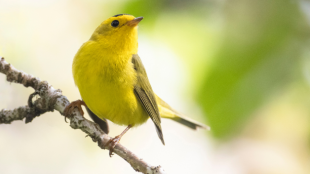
[112, 142]
[76, 104]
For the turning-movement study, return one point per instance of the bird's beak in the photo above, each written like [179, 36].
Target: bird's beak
[134, 22]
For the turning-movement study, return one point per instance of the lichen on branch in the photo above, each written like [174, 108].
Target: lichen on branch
[51, 99]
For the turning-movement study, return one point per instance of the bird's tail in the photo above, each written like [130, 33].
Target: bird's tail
[167, 112]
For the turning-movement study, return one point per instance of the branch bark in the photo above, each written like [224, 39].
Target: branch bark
[52, 99]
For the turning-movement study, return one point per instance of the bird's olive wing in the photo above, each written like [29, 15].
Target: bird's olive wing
[145, 94]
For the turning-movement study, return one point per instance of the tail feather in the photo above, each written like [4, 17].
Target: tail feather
[103, 124]
[167, 112]
[189, 123]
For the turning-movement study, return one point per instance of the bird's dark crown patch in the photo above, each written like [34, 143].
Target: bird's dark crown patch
[120, 15]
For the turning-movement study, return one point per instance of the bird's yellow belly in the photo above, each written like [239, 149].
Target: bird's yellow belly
[112, 99]
[115, 104]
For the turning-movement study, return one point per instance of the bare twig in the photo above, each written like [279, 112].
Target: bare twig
[52, 99]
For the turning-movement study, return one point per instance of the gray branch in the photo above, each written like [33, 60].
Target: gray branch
[52, 99]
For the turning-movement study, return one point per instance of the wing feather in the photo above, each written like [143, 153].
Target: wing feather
[144, 92]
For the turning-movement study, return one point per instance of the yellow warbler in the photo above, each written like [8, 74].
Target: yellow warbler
[113, 82]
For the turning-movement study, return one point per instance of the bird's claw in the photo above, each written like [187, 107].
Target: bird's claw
[69, 109]
[112, 142]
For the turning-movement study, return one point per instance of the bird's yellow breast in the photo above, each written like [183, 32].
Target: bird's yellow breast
[106, 80]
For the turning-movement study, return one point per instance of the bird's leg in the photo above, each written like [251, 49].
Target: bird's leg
[115, 140]
[76, 104]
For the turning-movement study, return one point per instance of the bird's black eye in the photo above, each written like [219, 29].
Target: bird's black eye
[115, 23]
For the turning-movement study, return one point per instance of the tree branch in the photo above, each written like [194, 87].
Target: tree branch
[52, 99]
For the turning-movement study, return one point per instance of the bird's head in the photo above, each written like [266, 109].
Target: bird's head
[118, 31]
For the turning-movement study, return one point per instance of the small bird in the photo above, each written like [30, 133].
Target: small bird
[113, 82]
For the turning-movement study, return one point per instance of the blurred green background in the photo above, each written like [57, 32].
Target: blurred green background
[240, 66]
